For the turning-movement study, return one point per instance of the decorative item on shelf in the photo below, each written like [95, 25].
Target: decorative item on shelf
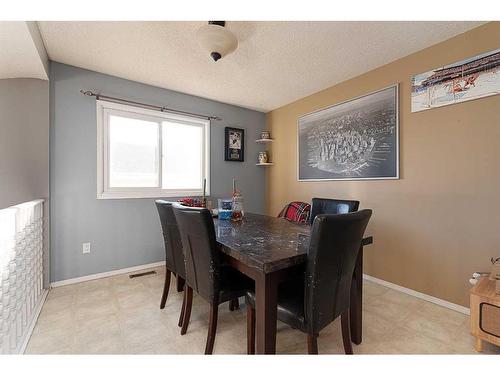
[265, 137]
[234, 144]
[476, 276]
[238, 213]
[225, 209]
[263, 157]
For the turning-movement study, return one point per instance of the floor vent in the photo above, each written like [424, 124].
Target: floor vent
[142, 274]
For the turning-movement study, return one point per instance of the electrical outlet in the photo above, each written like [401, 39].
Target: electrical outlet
[86, 247]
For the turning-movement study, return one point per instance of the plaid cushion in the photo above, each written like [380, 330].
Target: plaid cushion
[297, 212]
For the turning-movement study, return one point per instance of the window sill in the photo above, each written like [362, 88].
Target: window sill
[153, 194]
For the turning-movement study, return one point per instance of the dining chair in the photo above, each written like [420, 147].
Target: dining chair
[296, 212]
[332, 206]
[206, 273]
[313, 301]
[174, 257]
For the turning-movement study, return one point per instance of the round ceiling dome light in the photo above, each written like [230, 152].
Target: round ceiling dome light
[216, 39]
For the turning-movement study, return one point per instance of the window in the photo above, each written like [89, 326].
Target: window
[149, 154]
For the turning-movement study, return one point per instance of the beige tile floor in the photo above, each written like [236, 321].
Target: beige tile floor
[119, 315]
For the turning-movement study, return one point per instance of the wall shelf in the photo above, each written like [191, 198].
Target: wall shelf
[267, 142]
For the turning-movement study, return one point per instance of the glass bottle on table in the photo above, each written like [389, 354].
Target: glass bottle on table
[238, 213]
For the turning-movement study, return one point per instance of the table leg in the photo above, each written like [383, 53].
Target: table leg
[356, 309]
[266, 293]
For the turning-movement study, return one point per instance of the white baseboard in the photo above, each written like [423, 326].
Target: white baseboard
[105, 274]
[27, 335]
[414, 293]
[411, 292]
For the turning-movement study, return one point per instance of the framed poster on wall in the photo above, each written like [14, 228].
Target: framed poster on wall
[354, 140]
[472, 78]
[234, 144]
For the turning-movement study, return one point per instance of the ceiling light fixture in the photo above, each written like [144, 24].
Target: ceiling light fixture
[216, 39]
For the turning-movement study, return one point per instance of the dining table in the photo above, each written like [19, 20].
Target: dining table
[270, 250]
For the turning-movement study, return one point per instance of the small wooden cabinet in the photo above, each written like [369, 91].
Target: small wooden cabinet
[485, 313]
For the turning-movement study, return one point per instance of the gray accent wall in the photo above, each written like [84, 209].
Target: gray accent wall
[24, 148]
[24, 140]
[125, 232]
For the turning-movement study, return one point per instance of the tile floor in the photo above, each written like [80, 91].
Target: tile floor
[119, 315]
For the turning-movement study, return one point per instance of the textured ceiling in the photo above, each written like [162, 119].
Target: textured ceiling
[21, 53]
[275, 63]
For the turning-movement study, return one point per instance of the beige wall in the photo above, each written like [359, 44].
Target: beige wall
[441, 221]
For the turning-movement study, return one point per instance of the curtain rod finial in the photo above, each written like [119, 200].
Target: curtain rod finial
[87, 92]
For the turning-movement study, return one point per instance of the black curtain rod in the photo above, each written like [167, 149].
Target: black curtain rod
[144, 105]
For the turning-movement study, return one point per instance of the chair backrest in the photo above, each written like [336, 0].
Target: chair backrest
[334, 247]
[332, 206]
[171, 238]
[201, 254]
[297, 212]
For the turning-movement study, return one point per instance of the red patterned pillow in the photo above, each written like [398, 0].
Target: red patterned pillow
[297, 212]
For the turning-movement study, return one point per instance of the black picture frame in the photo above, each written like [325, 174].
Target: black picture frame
[234, 144]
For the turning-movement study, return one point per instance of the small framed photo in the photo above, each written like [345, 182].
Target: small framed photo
[234, 144]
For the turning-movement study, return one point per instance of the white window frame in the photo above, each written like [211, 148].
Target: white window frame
[104, 191]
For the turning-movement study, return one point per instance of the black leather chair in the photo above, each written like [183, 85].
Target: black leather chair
[206, 273]
[332, 206]
[174, 257]
[314, 301]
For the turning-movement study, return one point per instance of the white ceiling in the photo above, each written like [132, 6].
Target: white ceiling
[22, 53]
[275, 63]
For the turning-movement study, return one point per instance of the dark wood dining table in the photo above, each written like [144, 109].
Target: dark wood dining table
[270, 250]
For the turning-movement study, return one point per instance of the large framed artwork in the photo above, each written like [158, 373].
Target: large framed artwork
[354, 140]
[469, 79]
[234, 144]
